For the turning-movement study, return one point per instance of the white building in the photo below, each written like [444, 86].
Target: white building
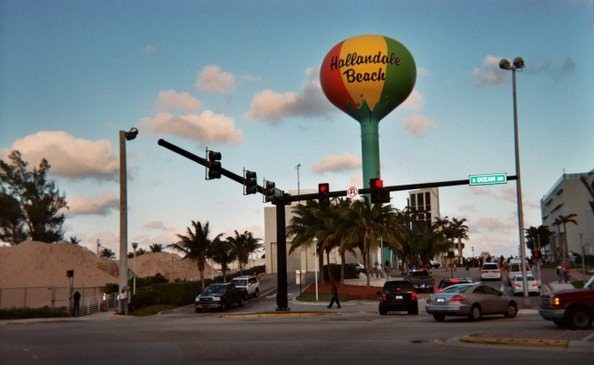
[569, 196]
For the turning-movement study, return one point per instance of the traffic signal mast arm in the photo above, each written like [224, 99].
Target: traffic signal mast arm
[204, 162]
[333, 194]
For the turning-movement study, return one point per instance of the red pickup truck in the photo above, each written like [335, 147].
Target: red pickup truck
[573, 308]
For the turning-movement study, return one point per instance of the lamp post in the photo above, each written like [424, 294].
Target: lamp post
[298, 188]
[123, 269]
[315, 243]
[518, 64]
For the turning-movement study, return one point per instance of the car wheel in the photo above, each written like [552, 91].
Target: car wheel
[512, 310]
[414, 311]
[223, 306]
[382, 311]
[580, 318]
[257, 294]
[198, 310]
[475, 313]
[439, 317]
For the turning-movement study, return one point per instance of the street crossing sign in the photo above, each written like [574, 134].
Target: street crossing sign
[487, 179]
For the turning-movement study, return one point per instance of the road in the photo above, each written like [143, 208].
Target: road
[255, 334]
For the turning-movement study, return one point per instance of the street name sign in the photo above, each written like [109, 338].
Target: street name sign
[487, 179]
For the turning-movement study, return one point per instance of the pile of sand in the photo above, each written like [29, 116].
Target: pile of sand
[37, 264]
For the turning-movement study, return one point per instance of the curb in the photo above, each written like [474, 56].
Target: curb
[509, 341]
[287, 314]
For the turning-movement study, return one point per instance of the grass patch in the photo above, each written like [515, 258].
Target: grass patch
[152, 310]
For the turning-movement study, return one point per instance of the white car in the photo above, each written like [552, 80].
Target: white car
[517, 285]
[249, 284]
[490, 271]
[515, 268]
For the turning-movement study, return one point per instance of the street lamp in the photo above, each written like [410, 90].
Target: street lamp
[123, 269]
[518, 64]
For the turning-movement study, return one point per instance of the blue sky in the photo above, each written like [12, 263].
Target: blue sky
[242, 78]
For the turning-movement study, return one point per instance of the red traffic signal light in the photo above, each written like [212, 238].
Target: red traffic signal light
[377, 183]
[324, 194]
[379, 194]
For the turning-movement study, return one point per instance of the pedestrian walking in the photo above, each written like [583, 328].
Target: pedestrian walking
[334, 296]
[76, 304]
[565, 268]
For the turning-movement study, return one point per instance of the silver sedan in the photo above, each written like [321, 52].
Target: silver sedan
[470, 300]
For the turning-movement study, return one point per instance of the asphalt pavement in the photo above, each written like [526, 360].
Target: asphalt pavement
[562, 339]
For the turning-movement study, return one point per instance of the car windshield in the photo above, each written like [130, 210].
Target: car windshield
[460, 288]
[240, 282]
[214, 289]
[520, 278]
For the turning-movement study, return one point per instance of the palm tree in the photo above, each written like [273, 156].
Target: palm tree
[107, 253]
[306, 224]
[222, 252]
[367, 223]
[459, 231]
[156, 247]
[195, 246]
[564, 220]
[537, 237]
[244, 244]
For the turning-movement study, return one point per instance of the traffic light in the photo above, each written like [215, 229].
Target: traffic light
[324, 194]
[269, 188]
[379, 194]
[250, 182]
[214, 165]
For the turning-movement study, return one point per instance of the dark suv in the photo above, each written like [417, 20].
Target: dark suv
[219, 296]
[398, 295]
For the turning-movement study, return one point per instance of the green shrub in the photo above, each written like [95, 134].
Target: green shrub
[44, 312]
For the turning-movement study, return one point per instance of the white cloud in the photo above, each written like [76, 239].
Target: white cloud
[271, 106]
[212, 79]
[69, 157]
[206, 127]
[101, 205]
[345, 162]
[415, 101]
[417, 124]
[173, 100]
[489, 73]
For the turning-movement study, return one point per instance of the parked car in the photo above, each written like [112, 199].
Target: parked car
[444, 283]
[219, 296]
[573, 308]
[398, 295]
[515, 268]
[249, 284]
[421, 280]
[435, 264]
[517, 285]
[490, 271]
[470, 300]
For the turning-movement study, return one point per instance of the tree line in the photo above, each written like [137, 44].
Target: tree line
[359, 227]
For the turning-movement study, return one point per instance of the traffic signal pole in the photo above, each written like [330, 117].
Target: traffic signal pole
[284, 199]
